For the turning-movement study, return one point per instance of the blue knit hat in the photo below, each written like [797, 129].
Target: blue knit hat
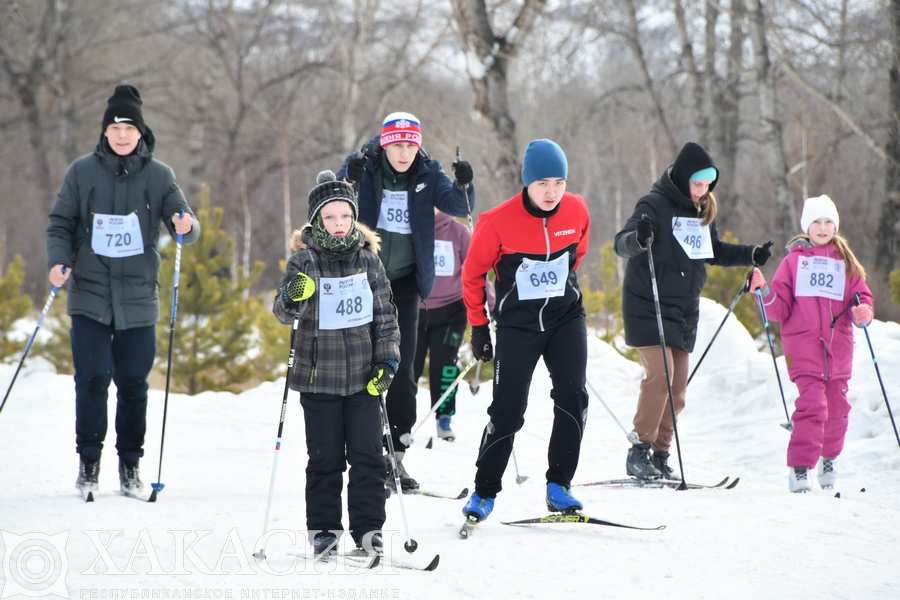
[543, 159]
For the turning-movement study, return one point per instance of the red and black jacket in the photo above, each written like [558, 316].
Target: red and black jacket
[515, 230]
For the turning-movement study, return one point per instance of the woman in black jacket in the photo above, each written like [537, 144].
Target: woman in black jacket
[676, 219]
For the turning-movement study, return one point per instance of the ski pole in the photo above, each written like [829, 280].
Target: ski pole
[31, 341]
[662, 344]
[468, 210]
[474, 387]
[261, 553]
[744, 287]
[762, 311]
[407, 438]
[411, 544]
[632, 436]
[520, 479]
[158, 486]
[878, 372]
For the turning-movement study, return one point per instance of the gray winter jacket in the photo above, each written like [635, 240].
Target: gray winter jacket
[123, 290]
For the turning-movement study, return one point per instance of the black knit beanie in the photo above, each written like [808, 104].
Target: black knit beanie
[328, 189]
[692, 158]
[124, 106]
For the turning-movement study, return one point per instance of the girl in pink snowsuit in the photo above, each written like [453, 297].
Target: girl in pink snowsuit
[814, 296]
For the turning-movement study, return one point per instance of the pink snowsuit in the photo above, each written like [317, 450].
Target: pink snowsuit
[819, 356]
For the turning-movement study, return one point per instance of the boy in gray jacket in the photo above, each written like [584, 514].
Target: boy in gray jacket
[103, 240]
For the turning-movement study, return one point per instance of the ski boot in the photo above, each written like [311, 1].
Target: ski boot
[560, 499]
[826, 473]
[798, 481]
[88, 475]
[129, 478]
[443, 429]
[371, 543]
[638, 463]
[478, 507]
[660, 460]
[325, 544]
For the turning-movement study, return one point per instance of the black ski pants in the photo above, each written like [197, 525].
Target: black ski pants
[101, 353]
[342, 430]
[564, 350]
[401, 396]
[440, 332]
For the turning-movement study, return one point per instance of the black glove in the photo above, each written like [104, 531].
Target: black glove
[356, 168]
[644, 231]
[380, 378]
[482, 347]
[299, 288]
[462, 170]
[762, 253]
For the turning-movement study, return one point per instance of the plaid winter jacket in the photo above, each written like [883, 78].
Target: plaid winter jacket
[338, 361]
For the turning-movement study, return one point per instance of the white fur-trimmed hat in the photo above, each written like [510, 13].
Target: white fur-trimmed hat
[816, 208]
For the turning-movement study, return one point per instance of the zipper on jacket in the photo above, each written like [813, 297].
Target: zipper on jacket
[315, 345]
[546, 258]
[825, 357]
[345, 336]
[505, 296]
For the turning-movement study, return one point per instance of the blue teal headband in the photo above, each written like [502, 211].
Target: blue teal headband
[707, 174]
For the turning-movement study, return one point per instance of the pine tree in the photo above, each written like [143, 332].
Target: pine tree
[14, 305]
[214, 330]
[895, 285]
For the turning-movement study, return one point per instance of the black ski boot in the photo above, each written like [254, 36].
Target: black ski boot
[638, 463]
[407, 483]
[372, 543]
[660, 460]
[88, 475]
[325, 544]
[129, 478]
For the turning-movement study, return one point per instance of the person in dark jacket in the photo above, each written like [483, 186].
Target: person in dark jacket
[442, 319]
[346, 351]
[676, 219]
[398, 186]
[534, 243]
[103, 241]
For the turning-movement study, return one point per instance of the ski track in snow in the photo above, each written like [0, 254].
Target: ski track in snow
[756, 541]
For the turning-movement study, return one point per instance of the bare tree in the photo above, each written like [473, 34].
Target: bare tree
[488, 56]
[785, 214]
[24, 55]
[889, 226]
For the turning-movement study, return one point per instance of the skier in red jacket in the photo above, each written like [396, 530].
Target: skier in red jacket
[533, 242]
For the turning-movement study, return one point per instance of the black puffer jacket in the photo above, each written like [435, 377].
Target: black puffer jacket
[679, 278]
[123, 289]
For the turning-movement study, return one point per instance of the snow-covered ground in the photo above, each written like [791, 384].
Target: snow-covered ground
[755, 541]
